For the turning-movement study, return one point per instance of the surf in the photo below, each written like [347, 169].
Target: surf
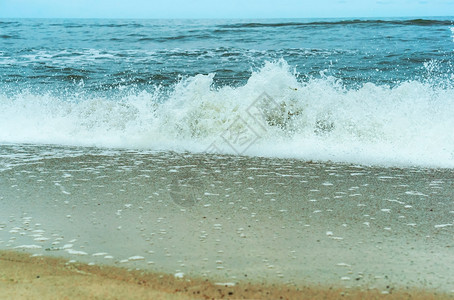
[274, 114]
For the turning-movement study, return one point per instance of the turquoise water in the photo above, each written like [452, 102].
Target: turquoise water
[363, 91]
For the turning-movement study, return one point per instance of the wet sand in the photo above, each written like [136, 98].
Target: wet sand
[25, 277]
[232, 220]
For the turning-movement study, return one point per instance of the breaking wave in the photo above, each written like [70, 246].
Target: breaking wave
[274, 114]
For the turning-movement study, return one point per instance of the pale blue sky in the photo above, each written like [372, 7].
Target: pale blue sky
[223, 8]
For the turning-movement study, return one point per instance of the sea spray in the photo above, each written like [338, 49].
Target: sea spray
[409, 123]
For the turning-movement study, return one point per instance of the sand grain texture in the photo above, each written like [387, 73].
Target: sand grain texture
[25, 277]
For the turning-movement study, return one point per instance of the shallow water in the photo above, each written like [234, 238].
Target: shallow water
[231, 218]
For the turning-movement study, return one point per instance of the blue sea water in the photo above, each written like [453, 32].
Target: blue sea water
[368, 91]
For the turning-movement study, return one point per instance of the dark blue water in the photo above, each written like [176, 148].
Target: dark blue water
[381, 90]
[55, 54]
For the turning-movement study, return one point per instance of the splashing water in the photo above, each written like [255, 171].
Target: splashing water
[321, 119]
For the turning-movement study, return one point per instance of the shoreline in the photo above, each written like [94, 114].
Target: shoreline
[42, 277]
[284, 225]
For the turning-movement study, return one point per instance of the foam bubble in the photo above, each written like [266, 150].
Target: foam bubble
[273, 114]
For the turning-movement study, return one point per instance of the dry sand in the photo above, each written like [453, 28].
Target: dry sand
[25, 277]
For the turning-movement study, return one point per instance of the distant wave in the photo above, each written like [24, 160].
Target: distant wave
[414, 22]
[9, 23]
[6, 36]
[174, 38]
[126, 24]
[409, 124]
[102, 23]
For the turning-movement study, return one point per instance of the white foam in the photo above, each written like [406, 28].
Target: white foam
[137, 257]
[443, 225]
[226, 284]
[28, 247]
[76, 252]
[409, 124]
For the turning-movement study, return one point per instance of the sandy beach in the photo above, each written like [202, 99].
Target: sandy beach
[25, 277]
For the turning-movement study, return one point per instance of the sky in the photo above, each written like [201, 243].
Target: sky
[223, 8]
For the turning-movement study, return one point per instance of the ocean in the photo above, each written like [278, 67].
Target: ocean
[368, 91]
[280, 150]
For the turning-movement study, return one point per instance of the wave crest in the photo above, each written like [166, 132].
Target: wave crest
[273, 114]
[411, 22]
